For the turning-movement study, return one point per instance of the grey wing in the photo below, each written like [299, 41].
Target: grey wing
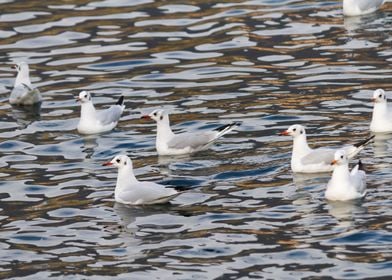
[148, 192]
[319, 156]
[365, 5]
[110, 115]
[23, 94]
[18, 92]
[193, 140]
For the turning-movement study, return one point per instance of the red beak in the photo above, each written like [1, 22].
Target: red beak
[334, 162]
[77, 99]
[373, 99]
[284, 133]
[107, 163]
[146, 117]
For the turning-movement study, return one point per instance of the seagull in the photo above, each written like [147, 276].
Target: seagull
[382, 118]
[361, 7]
[24, 93]
[345, 185]
[92, 121]
[168, 143]
[307, 160]
[131, 191]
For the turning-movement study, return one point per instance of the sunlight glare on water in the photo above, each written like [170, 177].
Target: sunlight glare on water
[268, 64]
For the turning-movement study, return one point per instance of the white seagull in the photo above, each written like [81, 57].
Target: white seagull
[92, 121]
[381, 118]
[131, 191]
[345, 185]
[168, 143]
[24, 93]
[361, 7]
[307, 160]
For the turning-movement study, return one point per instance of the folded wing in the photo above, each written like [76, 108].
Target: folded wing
[110, 115]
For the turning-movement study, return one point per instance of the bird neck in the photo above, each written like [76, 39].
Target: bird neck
[23, 78]
[300, 146]
[87, 110]
[341, 173]
[125, 178]
[380, 110]
[163, 129]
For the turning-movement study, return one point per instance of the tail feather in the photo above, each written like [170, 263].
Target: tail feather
[221, 131]
[120, 100]
[227, 127]
[364, 142]
[361, 166]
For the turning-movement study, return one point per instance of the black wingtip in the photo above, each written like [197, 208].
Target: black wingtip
[364, 142]
[226, 126]
[120, 100]
[360, 165]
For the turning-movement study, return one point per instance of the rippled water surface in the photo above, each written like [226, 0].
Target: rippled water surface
[266, 63]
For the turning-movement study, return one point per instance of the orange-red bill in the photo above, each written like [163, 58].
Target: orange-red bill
[107, 163]
[284, 133]
[146, 117]
[334, 162]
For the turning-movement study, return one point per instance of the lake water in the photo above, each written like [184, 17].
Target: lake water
[266, 63]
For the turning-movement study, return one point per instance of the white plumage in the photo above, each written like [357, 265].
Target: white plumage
[307, 160]
[382, 117]
[361, 7]
[93, 121]
[24, 93]
[345, 185]
[168, 143]
[131, 191]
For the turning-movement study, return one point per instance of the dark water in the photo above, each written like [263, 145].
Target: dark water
[268, 64]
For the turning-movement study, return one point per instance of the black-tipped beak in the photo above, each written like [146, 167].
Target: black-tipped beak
[145, 117]
[107, 163]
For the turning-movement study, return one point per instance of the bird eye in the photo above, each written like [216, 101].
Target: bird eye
[294, 129]
[161, 117]
[380, 95]
[118, 160]
[155, 113]
[341, 157]
[302, 132]
[85, 96]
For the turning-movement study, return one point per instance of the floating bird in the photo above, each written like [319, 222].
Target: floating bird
[24, 93]
[131, 191]
[92, 121]
[361, 7]
[382, 117]
[168, 143]
[345, 185]
[307, 160]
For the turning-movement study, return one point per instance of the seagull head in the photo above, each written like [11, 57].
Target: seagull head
[84, 97]
[340, 158]
[119, 161]
[156, 115]
[379, 96]
[294, 130]
[22, 66]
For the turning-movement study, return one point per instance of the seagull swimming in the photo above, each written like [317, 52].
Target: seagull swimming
[92, 121]
[168, 143]
[345, 185]
[361, 7]
[307, 160]
[131, 191]
[382, 117]
[24, 93]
